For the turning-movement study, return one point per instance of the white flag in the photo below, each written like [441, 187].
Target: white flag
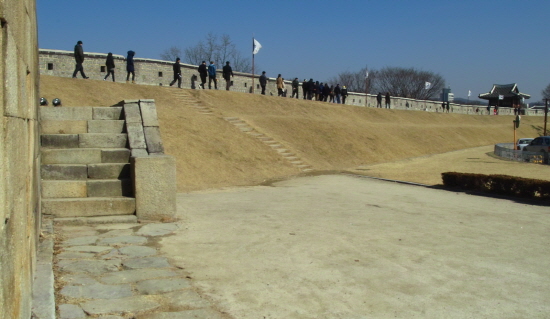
[469, 93]
[257, 47]
[367, 74]
[427, 85]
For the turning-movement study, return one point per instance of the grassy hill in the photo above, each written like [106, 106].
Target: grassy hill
[212, 153]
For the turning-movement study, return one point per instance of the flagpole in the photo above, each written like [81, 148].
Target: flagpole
[253, 64]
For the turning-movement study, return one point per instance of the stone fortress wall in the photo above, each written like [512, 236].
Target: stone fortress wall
[158, 72]
[19, 157]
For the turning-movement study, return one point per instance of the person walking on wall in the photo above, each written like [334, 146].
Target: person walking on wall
[379, 100]
[212, 76]
[203, 73]
[263, 82]
[110, 65]
[227, 72]
[310, 89]
[295, 85]
[280, 85]
[304, 89]
[337, 93]
[130, 67]
[388, 102]
[79, 58]
[344, 94]
[177, 73]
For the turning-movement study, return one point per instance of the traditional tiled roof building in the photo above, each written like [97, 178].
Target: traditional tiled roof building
[505, 95]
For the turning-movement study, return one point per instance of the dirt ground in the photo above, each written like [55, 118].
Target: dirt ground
[335, 245]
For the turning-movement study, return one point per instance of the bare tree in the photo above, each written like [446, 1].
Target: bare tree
[218, 49]
[171, 54]
[546, 92]
[354, 81]
[407, 82]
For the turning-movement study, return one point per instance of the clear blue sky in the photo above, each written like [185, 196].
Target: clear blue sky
[473, 44]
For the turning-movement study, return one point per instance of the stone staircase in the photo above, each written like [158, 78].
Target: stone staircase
[188, 100]
[85, 162]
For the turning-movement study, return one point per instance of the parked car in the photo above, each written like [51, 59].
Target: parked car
[539, 144]
[522, 142]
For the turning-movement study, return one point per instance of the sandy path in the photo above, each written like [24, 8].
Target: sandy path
[348, 247]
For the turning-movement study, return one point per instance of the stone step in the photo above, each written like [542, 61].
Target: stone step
[106, 126]
[112, 113]
[64, 172]
[109, 171]
[87, 188]
[85, 140]
[88, 207]
[85, 156]
[83, 113]
[63, 127]
[296, 162]
[116, 219]
[103, 140]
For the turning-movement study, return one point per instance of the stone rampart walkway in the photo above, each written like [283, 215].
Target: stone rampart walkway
[115, 271]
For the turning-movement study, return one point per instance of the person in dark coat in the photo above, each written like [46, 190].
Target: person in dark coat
[79, 58]
[344, 94]
[110, 65]
[304, 89]
[263, 82]
[295, 86]
[388, 106]
[327, 90]
[379, 100]
[337, 92]
[320, 92]
[177, 73]
[310, 89]
[316, 90]
[227, 73]
[203, 73]
[130, 67]
[212, 76]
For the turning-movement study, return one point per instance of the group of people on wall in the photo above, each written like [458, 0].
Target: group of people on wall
[317, 91]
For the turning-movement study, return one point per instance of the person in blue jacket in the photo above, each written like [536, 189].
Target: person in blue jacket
[212, 76]
[130, 67]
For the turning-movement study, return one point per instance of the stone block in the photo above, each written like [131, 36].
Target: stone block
[66, 113]
[129, 219]
[107, 113]
[102, 140]
[154, 186]
[87, 207]
[109, 171]
[63, 189]
[110, 188]
[148, 113]
[132, 113]
[153, 139]
[115, 155]
[64, 172]
[71, 156]
[139, 152]
[105, 126]
[136, 136]
[63, 127]
[59, 140]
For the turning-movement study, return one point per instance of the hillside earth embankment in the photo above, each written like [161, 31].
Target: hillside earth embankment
[211, 152]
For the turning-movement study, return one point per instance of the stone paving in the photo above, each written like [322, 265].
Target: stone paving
[115, 271]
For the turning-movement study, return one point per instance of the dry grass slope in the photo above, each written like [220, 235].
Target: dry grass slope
[213, 153]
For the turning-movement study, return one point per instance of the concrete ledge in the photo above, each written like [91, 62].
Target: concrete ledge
[88, 207]
[148, 112]
[153, 139]
[154, 186]
[64, 172]
[102, 140]
[136, 136]
[63, 127]
[66, 113]
[61, 189]
[132, 113]
[43, 297]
